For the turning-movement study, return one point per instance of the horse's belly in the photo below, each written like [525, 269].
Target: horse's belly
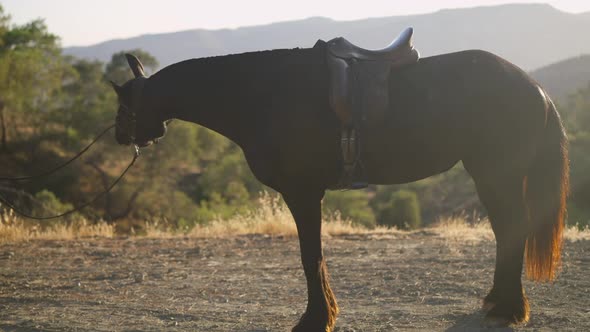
[402, 158]
[397, 171]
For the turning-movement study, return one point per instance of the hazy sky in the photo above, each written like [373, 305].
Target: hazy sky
[83, 22]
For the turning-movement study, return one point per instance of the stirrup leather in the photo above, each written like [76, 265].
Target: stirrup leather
[353, 172]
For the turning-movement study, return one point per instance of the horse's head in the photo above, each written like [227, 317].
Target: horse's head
[137, 121]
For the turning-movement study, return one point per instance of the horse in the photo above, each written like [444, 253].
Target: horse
[469, 106]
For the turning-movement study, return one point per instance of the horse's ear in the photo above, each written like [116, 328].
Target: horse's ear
[135, 65]
[319, 43]
[117, 88]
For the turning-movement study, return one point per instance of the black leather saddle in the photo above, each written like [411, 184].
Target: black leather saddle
[359, 93]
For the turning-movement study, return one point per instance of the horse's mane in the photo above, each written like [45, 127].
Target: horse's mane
[266, 57]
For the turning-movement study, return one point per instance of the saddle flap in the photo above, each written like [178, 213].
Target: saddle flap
[371, 91]
[340, 86]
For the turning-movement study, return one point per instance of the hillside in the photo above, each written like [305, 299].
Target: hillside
[565, 77]
[530, 35]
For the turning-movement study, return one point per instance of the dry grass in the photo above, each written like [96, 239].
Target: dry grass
[272, 217]
[575, 234]
[15, 229]
[458, 229]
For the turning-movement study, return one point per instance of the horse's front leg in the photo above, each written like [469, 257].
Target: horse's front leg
[322, 309]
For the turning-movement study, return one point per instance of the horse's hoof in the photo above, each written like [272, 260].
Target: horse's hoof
[490, 301]
[487, 306]
[303, 327]
[498, 317]
[496, 322]
[312, 323]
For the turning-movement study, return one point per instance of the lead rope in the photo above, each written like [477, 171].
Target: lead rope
[78, 208]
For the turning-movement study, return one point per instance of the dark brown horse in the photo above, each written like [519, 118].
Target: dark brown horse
[468, 106]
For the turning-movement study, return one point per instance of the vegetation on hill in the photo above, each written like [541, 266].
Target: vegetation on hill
[564, 78]
[576, 114]
[52, 105]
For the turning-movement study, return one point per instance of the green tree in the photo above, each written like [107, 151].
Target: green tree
[31, 72]
[450, 193]
[352, 204]
[48, 203]
[576, 112]
[402, 211]
[88, 102]
[229, 177]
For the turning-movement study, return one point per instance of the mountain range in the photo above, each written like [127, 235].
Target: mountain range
[529, 35]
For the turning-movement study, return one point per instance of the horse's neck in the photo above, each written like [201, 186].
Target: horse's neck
[233, 95]
[211, 95]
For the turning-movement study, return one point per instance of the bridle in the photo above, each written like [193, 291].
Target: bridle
[130, 113]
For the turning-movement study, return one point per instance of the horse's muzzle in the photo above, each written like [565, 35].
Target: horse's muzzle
[122, 137]
[144, 144]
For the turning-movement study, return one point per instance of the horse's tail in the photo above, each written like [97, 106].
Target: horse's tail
[546, 190]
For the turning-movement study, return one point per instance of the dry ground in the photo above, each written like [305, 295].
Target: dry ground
[385, 281]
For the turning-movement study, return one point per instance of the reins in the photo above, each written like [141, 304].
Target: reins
[78, 208]
[55, 169]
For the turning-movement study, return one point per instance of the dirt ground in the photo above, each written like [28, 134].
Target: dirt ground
[417, 281]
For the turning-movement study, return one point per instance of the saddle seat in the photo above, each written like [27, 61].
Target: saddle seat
[400, 50]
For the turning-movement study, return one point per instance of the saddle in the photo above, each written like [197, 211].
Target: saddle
[359, 93]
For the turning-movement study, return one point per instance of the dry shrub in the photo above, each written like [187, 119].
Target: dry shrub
[11, 228]
[456, 228]
[272, 217]
[574, 233]
[157, 229]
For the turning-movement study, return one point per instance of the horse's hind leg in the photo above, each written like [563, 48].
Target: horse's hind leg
[505, 203]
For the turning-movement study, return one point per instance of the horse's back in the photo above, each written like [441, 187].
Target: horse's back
[451, 107]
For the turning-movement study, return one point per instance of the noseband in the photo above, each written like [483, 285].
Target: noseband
[130, 122]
